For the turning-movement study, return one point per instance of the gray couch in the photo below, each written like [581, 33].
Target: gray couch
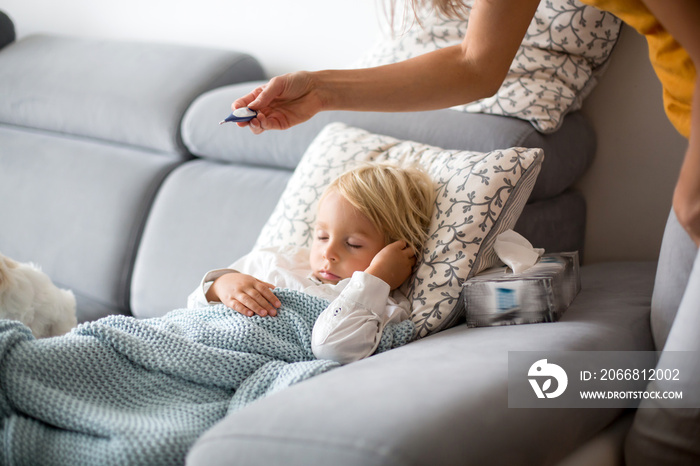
[117, 180]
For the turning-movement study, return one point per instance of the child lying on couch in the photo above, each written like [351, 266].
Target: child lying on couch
[370, 223]
[122, 390]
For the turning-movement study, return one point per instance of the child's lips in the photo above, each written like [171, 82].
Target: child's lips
[328, 276]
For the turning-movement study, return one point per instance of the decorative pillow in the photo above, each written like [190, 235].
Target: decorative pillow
[564, 50]
[479, 195]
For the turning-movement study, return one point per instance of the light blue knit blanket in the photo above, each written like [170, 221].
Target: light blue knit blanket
[126, 391]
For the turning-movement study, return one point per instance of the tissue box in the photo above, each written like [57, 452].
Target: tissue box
[542, 293]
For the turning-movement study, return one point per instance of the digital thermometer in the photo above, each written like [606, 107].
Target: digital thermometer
[240, 114]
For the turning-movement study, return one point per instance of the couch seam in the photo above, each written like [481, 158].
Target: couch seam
[135, 239]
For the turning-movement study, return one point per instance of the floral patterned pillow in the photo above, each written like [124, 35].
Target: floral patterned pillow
[479, 195]
[564, 51]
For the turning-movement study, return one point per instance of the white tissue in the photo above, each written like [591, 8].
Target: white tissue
[516, 252]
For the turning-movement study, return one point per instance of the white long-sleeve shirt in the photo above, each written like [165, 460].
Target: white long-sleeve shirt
[350, 328]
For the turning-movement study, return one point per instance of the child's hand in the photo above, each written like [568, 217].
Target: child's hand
[245, 294]
[393, 263]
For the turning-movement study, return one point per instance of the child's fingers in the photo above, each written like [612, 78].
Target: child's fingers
[262, 302]
[405, 248]
[240, 308]
[244, 304]
[400, 244]
[256, 303]
[248, 306]
[266, 292]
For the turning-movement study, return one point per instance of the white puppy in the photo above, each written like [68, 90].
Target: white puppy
[28, 295]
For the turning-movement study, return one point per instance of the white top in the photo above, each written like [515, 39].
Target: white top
[350, 328]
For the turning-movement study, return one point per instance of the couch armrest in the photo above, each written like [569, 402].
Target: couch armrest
[7, 30]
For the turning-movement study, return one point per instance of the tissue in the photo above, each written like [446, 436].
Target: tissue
[541, 293]
[516, 252]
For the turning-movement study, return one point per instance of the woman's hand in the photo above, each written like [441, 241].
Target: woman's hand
[393, 263]
[245, 294]
[283, 102]
[443, 78]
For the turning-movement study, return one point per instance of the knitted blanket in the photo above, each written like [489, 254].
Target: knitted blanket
[126, 391]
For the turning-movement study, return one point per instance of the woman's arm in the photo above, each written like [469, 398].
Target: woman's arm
[450, 76]
[681, 19]
[686, 197]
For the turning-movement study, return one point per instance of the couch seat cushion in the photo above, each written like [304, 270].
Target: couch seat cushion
[442, 400]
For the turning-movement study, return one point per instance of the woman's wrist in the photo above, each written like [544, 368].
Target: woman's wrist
[330, 89]
[369, 89]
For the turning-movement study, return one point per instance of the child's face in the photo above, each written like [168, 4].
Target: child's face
[345, 241]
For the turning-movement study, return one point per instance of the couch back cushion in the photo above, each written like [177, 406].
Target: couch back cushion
[206, 215]
[124, 92]
[76, 208]
[88, 131]
[569, 151]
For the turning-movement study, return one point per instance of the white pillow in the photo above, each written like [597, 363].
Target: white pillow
[564, 50]
[479, 195]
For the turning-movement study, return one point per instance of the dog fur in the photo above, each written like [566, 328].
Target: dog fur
[27, 294]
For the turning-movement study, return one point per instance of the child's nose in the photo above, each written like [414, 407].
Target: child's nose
[331, 252]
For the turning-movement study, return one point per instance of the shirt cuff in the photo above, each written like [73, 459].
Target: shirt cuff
[368, 291]
[198, 297]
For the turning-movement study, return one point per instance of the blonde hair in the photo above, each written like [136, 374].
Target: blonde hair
[398, 201]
